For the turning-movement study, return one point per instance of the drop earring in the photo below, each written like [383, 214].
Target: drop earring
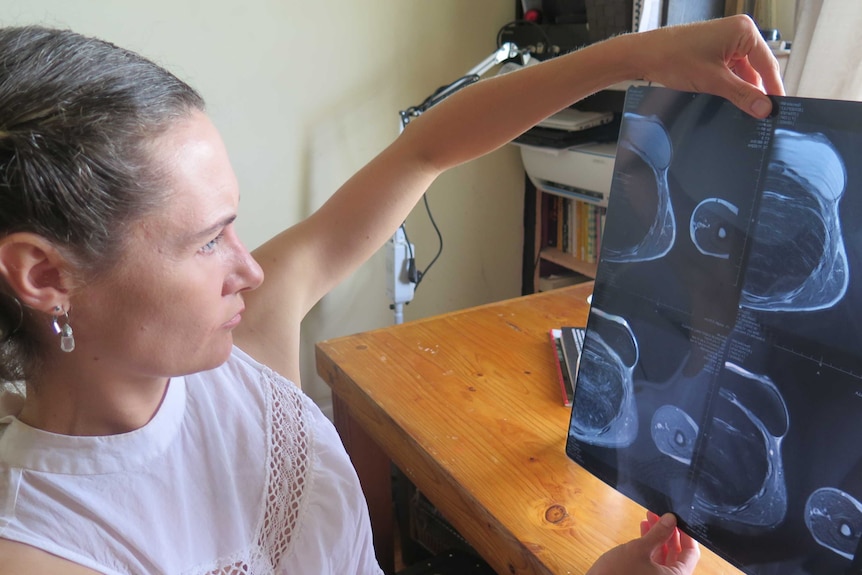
[67, 340]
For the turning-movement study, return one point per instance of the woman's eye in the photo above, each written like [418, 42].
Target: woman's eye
[211, 245]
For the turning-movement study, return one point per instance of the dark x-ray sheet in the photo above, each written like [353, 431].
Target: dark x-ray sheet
[721, 377]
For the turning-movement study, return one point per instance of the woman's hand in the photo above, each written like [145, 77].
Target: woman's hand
[662, 549]
[727, 57]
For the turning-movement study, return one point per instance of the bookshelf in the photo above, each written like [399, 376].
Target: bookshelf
[566, 238]
[579, 174]
[567, 192]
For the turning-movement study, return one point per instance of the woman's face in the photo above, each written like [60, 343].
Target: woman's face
[170, 305]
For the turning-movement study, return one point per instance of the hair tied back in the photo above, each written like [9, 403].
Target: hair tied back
[9, 326]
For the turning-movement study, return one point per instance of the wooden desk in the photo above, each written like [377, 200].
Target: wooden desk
[467, 405]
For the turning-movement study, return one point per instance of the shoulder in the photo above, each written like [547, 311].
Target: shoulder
[17, 558]
[239, 367]
[248, 365]
[242, 386]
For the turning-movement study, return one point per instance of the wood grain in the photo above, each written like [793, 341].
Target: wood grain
[467, 405]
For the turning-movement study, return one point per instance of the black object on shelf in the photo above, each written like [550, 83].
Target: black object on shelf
[608, 18]
[566, 25]
[545, 40]
[560, 139]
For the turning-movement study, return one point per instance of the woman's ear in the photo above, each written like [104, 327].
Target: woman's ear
[34, 270]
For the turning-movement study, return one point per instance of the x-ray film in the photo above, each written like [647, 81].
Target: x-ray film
[721, 374]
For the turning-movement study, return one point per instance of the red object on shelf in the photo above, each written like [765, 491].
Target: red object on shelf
[533, 16]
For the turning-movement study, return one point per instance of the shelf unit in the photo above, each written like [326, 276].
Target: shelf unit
[567, 193]
[568, 261]
[540, 261]
[585, 23]
[554, 261]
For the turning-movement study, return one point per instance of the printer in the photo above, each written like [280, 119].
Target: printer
[579, 162]
[582, 172]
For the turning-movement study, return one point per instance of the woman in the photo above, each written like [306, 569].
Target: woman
[160, 432]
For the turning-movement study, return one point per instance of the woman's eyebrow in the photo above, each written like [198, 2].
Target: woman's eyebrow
[223, 223]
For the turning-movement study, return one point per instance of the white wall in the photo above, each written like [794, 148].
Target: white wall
[304, 94]
[786, 10]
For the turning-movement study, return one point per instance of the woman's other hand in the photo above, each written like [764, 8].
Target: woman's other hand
[662, 549]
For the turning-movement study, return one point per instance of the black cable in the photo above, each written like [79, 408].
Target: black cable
[407, 239]
[438, 95]
[421, 275]
[412, 275]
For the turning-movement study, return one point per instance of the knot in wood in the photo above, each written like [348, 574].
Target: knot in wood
[555, 513]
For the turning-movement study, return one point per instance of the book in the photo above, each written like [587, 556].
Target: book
[549, 230]
[567, 388]
[572, 225]
[721, 374]
[567, 343]
[572, 339]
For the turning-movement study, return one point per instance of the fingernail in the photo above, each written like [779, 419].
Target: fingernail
[761, 107]
[668, 520]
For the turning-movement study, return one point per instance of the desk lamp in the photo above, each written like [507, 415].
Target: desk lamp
[403, 277]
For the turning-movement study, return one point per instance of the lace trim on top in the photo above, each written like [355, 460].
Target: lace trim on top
[290, 450]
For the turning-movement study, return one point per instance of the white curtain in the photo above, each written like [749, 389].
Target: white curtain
[827, 46]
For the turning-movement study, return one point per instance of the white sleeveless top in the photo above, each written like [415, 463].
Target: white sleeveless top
[238, 473]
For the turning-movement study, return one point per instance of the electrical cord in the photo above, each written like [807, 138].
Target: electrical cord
[439, 240]
[413, 274]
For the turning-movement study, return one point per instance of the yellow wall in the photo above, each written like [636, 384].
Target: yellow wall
[304, 94]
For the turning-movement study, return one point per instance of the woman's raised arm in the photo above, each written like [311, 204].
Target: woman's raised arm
[727, 57]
